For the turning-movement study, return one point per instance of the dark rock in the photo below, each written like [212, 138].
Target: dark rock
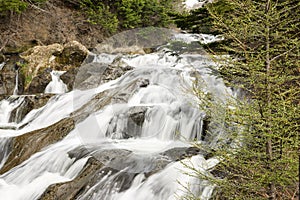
[144, 82]
[218, 173]
[89, 75]
[137, 114]
[2, 58]
[179, 153]
[72, 189]
[115, 70]
[39, 83]
[8, 75]
[73, 54]
[69, 77]
[136, 118]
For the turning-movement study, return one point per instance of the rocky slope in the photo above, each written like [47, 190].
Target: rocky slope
[53, 22]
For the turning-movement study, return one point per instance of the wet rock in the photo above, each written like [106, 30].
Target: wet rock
[91, 75]
[24, 146]
[136, 118]
[7, 81]
[115, 70]
[29, 103]
[8, 75]
[179, 153]
[72, 189]
[69, 77]
[110, 162]
[103, 155]
[144, 82]
[128, 90]
[92, 173]
[137, 114]
[39, 83]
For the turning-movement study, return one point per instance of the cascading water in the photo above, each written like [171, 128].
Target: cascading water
[2, 65]
[56, 86]
[7, 106]
[133, 126]
[16, 89]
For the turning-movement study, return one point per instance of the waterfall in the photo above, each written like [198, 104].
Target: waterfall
[7, 106]
[4, 150]
[2, 65]
[56, 86]
[137, 127]
[16, 90]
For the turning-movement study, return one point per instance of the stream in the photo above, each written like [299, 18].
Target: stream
[139, 126]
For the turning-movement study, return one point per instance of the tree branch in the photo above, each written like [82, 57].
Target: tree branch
[278, 56]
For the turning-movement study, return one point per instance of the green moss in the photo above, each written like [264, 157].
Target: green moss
[25, 73]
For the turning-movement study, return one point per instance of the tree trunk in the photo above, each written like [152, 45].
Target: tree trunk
[269, 150]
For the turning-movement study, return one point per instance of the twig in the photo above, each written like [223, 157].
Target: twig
[278, 56]
[36, 7]
[5, 43]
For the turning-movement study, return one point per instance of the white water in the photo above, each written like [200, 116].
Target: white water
[194, 4]
[2, 65]
[172, 119]
[56, 86]
[202, 38]
[7, 106]
[16, 89]
[169, 184]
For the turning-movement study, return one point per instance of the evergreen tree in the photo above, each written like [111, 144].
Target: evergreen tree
[263, 161]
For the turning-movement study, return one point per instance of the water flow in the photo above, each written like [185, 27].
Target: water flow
[16, 90]
[138, 127]
[56, 86]
[4, 150]
[52, 165]
[2, 65]
[6, 108]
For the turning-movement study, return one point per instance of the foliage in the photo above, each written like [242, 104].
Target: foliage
[200, 20]
[16, 5]
[262, 161]
[143, 13]
[99, 13]
[127, 14]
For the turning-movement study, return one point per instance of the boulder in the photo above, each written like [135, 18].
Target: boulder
[73, 55]
[91, 75]
[9, 67]
[40, 60]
